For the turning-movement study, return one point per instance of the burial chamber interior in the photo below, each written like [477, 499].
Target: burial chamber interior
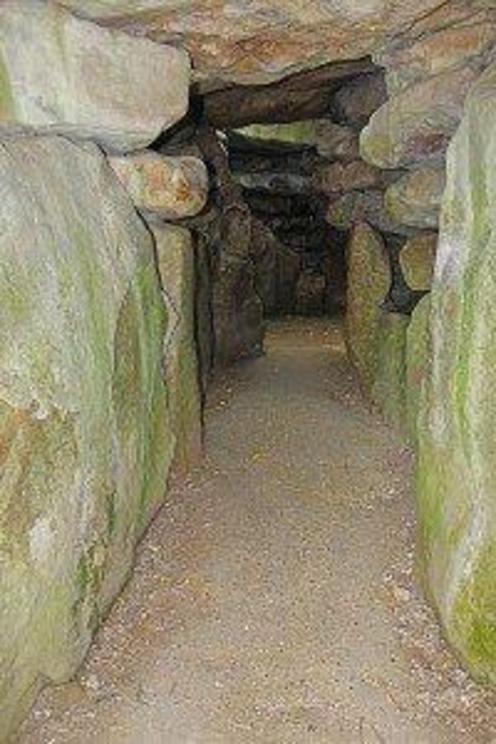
[157, 247]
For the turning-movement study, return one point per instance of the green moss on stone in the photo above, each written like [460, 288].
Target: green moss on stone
[389, 387]
[418, 358]
[7, 105]
[472, 625]
[369, 280]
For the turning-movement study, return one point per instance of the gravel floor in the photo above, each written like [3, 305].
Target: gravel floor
[274, 599]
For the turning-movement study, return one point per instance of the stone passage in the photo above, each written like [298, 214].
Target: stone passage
[173, 176]
[273, 598]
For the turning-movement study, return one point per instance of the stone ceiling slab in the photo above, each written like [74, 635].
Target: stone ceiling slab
[260, 41]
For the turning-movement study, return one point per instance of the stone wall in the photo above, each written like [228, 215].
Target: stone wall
[457, 465]
[99, 389]
[431, 369]
[429, 71]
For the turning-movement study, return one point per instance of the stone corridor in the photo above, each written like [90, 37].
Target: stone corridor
[275, 598]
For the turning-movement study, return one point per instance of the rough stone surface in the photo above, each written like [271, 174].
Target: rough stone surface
[343, 177]
[418, 361]
[457, 34]
[237, 310]
[231, 42]
[176, 264]
[416, 124]
[417, 259]
[415, 199]
[306, 95]
[331, 140]
[171, 187]
[60, 74]
[389, 388]
[275, 183]
[84, 424]
[457, 462]
[369, 280]
[350, 208]
[354, 103]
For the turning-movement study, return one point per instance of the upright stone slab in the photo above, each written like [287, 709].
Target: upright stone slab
[176, 263]
[389, 388]
[84, 425]
[418, 358]
[59, 74]
[457, 454]
[369, 280]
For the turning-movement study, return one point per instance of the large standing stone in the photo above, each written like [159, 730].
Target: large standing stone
[176, 264]
[84, 424]
[389, 388]
[457, 457]
[237, 310]
[417, 259]
[64, 75]
[171, 187]
[415, 199]
[417, 362]
[369, 280]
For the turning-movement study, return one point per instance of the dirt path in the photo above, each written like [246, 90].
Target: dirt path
[273, 600]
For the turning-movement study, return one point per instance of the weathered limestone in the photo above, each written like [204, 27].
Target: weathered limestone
[171, 187]
[62, 75]
[415, 199]
[369, 280]
[176, 264]
[417, 259]
[418, 360]
[457, 461]
[331, 140]
[84, 425]
[389, 388]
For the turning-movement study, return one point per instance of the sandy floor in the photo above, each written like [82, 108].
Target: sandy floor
[273, 600]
